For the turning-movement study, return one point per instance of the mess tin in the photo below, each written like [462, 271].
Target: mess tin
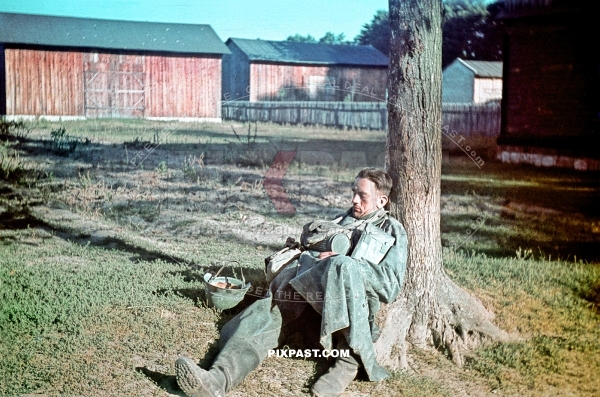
[224, 292]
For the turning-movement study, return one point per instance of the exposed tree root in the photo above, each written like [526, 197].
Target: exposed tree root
[458, 322]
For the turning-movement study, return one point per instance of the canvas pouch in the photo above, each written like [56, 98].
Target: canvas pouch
[276, 262]
[373, 244]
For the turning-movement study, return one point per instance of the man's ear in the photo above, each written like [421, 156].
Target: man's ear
[382, 201]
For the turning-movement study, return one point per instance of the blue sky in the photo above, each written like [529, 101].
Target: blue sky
[265, 19]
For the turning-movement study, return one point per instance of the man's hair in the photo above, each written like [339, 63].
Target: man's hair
[382, 181]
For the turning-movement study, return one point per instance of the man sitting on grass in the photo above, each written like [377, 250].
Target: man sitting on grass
[345, 288]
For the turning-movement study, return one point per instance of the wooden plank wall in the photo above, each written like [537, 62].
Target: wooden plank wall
[371, 115]
[236, 75]
[37, 84]
[464, 119]
[183, 87]
[551, 81]
[271, 82]
[472, 119]
[40, 82]
[114, 85]
[2, 81]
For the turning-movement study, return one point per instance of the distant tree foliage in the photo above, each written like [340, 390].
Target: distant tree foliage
[331, 38]
[298, 38]
[469, 31]
[377, 32]
[328, 38]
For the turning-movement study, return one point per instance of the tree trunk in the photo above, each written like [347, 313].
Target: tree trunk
[431, 310]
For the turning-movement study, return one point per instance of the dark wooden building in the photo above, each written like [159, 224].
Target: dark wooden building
[260, 70]
[551, 87]
[59, 67]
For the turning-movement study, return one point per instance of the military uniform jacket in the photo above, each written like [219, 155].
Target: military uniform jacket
[346, 292]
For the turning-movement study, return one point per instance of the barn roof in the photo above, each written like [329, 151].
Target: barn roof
[54, 31]
[484, 68]
[310, 53]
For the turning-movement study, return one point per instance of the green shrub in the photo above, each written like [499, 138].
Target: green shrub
[13, 128]
[62, 143]
[11, 165]
[14, 169]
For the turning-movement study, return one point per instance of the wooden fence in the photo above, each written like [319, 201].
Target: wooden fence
[470, 119]
[467, 119]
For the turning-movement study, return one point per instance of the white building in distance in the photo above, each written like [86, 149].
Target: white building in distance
[472, 81]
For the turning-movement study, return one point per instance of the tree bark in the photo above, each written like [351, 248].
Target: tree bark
[431, 310]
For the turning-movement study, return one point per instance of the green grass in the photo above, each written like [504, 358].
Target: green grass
[129, 130]
[78, 319]
[74, 317]
[556, 189]
[83, 319]
[553, 213]
[550, 305]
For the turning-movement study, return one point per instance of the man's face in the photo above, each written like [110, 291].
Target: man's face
[366, 198]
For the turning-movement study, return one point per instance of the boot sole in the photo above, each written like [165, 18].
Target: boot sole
[189, 379]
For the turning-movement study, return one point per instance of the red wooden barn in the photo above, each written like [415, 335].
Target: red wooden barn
[68, 68]
[261, 70]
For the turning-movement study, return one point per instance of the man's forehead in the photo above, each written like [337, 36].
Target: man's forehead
[362, 184]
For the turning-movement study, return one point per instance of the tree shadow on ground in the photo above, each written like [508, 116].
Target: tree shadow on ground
[166, 382]
[562, 190]
[567, 192]
[234, 151]
[22, 219]
[502, 234]
[551, 211]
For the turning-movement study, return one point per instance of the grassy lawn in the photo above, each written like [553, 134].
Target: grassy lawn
[107, 228]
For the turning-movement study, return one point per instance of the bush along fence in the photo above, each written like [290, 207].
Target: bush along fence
[468, 119]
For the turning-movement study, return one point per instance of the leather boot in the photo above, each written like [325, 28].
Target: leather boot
[232, 365]
[337, 378]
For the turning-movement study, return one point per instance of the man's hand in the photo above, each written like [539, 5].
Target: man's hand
[327, 254]
[291, 243]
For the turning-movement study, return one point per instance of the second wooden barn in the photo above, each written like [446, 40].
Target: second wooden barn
[262, 70]
[69, 68]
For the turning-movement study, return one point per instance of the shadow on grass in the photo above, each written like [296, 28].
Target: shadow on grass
[562, 190]
[234, 151]
[565, 191]
[22, 219]
[593, 295]
[166, 382]
[500, 236]
[553, 212]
